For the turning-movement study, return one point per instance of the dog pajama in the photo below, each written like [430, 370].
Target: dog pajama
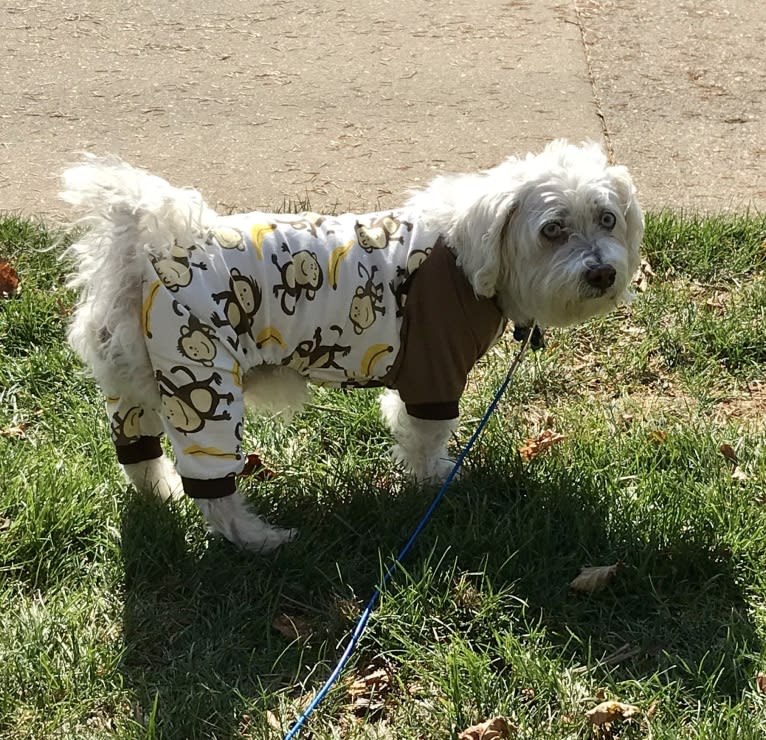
[347, 301]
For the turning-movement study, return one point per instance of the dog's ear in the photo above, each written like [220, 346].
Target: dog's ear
[483, 254]
[626, 192]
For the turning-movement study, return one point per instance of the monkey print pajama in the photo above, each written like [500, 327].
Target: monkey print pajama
[334, 298]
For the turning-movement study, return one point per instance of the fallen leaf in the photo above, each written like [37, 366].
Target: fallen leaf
[728, 452]
[534, 447]
[293, 628]
[644, 276]
[717, 303]
[760, 682]
[254, 467]
[9, 281]
[739, 475]
[274, 723]
[244, 725]
[594, 578]
[611, 711]
[657, 436]
[493, 729]
[17, 432]
[377, 680]
[5, 524]
[368, 692]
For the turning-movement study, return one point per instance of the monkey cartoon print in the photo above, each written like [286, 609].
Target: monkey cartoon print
[255, 290]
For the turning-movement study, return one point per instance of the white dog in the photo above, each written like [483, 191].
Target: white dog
[184, 314]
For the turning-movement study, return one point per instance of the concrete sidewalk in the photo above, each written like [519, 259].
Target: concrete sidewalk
[348, 104]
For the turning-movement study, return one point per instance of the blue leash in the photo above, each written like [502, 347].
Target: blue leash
[391, 569]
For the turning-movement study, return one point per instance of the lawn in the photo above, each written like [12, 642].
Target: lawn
[121, 618]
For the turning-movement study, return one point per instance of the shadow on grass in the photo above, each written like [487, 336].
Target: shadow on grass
[199, 638]
[677, 609]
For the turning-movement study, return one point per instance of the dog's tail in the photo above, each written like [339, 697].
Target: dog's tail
[128, 216]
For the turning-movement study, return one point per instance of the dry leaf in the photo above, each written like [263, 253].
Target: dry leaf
[611, 711]
[739, 475]
[657, 436]
[368, 692]
[718, 303]
[645, 274]
[255, 467]
[728, 452]
[244, 725]
[760, 682]
[534, 447]
[274, 722]
[594, 578]
[293, 628]
[9, 281]
[5, 524]
[17, 432]
[493, 729]
[377, 680]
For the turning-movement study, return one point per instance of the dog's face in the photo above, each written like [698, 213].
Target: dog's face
[563, 242]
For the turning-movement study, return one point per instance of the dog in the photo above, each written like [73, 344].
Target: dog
[185, 316]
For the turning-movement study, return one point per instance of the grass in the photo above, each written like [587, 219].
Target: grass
[120, 618]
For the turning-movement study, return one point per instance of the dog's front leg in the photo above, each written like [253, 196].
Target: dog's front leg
[421, 443]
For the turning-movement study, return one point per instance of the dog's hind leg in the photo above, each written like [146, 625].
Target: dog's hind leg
[136, 431]
[231, 517]
[421, 443]
[206, 439]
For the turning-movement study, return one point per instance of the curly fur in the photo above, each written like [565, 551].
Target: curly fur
[493, 220]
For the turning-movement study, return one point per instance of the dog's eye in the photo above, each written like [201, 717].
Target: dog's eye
[552, 230]
[608, 220]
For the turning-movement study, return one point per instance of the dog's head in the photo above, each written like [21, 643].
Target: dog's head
[555, 236]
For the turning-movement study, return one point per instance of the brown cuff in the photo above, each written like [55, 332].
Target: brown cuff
[145, 448]
[433, 411]
[213, 488]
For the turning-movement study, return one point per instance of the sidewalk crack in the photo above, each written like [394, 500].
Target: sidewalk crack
[580, 21]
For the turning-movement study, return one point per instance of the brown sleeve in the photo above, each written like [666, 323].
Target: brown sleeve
[446, 329]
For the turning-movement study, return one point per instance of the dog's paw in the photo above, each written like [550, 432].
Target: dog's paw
[431, 471]
[266, 542]
[440, 470]
[157, 476]
[231, 517]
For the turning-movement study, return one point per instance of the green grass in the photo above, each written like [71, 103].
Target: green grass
[120, 618]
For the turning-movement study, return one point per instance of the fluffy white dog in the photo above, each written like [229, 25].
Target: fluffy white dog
[184, 315]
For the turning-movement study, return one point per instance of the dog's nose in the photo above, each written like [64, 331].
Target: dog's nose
[601, 277]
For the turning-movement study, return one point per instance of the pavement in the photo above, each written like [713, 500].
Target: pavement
[334, 104]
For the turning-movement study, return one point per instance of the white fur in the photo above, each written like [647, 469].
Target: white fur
[232, 517]
[492, 220]
[422, 448]
[157, 476]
